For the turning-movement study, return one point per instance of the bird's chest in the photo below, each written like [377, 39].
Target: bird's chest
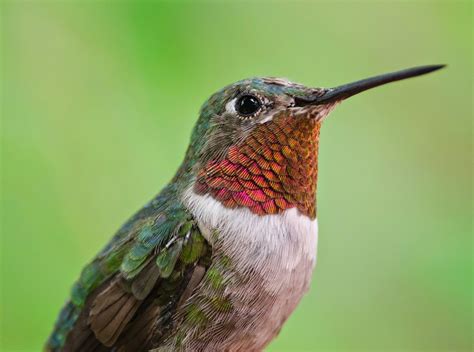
[262, 266]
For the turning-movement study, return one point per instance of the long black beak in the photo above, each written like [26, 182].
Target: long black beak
[347, 90]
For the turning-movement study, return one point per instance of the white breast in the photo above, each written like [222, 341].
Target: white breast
[279, 251]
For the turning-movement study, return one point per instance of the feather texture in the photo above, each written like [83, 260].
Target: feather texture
[145, 270]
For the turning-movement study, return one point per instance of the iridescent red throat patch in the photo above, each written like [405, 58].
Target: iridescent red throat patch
[274, 169]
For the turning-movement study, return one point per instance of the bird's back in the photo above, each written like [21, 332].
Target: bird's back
[125, 298]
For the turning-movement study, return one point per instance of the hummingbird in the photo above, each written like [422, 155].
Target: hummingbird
[222, 256]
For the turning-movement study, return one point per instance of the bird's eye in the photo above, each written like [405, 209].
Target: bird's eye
[247, 105]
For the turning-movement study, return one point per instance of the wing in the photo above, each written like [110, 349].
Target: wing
[127, 295]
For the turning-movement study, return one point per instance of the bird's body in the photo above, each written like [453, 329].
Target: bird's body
[222, 256]
[270, 262]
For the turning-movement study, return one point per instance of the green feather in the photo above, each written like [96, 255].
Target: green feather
[167, 259]
[162, 234]
[194, 248]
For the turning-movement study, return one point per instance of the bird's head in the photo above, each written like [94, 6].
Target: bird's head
[255, 144]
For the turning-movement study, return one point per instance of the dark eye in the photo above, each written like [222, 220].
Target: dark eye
[247, 105]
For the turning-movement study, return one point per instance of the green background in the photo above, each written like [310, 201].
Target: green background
[99, 99]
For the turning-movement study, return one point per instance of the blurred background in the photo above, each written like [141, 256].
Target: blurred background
[99, 99]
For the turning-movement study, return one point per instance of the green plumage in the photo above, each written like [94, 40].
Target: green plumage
[155, 250]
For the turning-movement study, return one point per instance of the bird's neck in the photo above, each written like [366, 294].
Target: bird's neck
[275, 168]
